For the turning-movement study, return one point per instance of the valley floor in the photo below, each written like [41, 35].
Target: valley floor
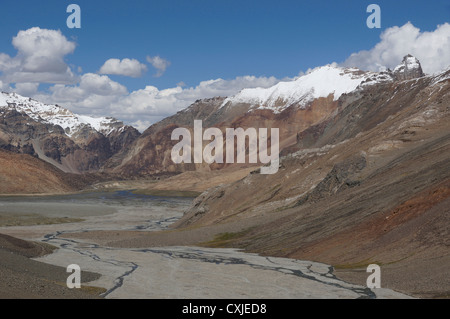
[116, 243]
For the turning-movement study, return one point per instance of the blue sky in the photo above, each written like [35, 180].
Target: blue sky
[208, 39]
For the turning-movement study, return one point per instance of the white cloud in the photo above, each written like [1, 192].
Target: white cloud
[431, 48]
[40, 58]
[7, 63]
[127, 67]
[4, 87]
[26, 89]
[93, 95]
[220, 87]
[148, 104]
[159, 64]
[37, 42]
[142, 125]
[144, 107]
[98, 95]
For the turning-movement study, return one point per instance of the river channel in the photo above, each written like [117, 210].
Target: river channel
[164, 272]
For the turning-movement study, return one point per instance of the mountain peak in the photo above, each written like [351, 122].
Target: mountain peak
[410, 68]
[54, 114]
[319, 82]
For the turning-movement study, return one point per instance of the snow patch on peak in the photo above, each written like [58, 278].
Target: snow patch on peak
[57, 115]
[441, 77]
[409, 62]
[410, 68]
[319, 82]
[412, 62]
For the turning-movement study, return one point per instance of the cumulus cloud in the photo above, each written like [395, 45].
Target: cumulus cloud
[159, 64]
[41, 53]
[93, 95]
[40, 58]
[148, 105]
[98, 95]
[144, 107]
[221, 87]
[431, 48]
[7, 63]
[26, 89]
[127, 67]
[5, 87]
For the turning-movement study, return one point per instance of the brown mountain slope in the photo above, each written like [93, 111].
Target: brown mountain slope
[25, 174]
[290, 106]
[372, 187]
[84, 152]
[151, 152]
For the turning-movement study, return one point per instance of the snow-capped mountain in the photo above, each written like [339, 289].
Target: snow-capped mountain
[81, 143]
[410, 68]
[292, 106]
[320, 82]
[73, 143]
[57, 115]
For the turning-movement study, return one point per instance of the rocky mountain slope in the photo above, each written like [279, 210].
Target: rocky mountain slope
[368, 183]
[410, 68]
[290, 106]
[25, 174]
[364, 172]
[71, 142]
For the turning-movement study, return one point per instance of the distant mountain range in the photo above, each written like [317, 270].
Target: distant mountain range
[363, 175]
[71, 142]
[83, 144]
[292, 107]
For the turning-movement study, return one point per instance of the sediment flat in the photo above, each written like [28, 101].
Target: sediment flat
[115, 244]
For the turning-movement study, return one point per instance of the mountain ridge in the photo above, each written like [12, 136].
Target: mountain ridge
[87, 144]
[71, 142]
[56, 115]
[363, 177]
[369, 184]
[291, 106]
[319, 82]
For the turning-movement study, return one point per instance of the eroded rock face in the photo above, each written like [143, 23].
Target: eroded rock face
[122, 137]
[293, 107]
[369, 183]
[24, 174]
[85, 150]
[410, 68]
[57, 147]
[151, 153]
[342, 176]
[77, 144]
